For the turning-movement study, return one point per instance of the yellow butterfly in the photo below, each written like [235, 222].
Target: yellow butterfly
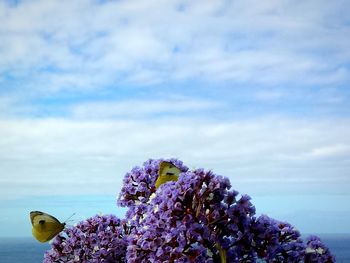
[45, 226]
[167, 172]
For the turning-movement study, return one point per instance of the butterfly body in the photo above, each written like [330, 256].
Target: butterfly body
[45, 226]
[167, 172]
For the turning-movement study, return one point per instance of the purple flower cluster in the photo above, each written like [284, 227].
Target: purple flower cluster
[197, 218]
[316, 251]
[97, 239]
[276, 241]
[139, 183]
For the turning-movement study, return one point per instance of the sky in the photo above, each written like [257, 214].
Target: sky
[257, 91]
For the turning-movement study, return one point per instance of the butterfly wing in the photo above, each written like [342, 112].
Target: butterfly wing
[167, 172]
[45, 226]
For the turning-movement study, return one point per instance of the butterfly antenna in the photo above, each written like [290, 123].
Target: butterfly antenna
[67, 220]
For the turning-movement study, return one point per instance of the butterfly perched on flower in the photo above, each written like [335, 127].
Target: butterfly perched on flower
[45, 226]
[167, 172]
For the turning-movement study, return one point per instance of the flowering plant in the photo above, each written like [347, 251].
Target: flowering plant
[197, 218]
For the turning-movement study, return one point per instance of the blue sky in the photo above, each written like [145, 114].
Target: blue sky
[257, 91]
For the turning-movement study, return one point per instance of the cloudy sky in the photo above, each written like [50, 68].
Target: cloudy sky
[257, 91]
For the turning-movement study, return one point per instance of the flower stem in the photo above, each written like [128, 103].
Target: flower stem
[222, 253]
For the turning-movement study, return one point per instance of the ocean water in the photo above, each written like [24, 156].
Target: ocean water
[28, 250]
[22, 250]
[339, 246]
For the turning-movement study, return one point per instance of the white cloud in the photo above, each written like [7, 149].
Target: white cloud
[141, 108]
[140, 42]
[11, 106]
[337, 150]
[53, 156]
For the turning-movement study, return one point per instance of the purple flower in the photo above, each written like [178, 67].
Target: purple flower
[316, 251]
[276, 241]
[97, 239]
